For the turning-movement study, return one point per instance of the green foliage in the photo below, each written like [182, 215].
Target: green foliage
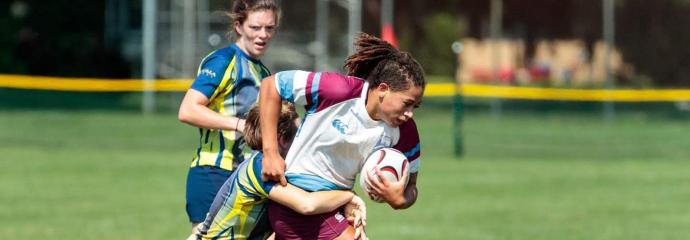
[440, 31]
[8, 42]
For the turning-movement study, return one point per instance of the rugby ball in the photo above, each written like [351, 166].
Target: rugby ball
[390, 162]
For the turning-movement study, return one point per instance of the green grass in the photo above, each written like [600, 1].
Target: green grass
[120, 175]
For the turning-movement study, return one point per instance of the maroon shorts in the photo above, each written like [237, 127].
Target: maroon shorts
[290, 225]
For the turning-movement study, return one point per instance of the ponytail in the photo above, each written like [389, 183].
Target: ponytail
[378, 62]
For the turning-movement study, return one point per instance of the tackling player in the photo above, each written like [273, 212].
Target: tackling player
[239, 210]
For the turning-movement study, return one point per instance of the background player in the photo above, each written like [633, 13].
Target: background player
[225, 88]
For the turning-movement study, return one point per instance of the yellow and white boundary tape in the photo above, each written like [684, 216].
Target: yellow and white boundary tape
[443, 89]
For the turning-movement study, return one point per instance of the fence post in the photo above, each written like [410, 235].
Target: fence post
[457, 104]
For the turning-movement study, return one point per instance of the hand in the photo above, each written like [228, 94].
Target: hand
[360, 234]
[391, 192]
[239, 127]
[273, 168]
[356, 212]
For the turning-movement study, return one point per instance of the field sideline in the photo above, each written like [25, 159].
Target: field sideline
[121, 175]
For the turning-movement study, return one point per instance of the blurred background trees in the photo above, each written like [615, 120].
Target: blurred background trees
[70, 38]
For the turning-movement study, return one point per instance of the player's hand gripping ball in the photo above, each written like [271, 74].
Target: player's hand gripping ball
[390, 162]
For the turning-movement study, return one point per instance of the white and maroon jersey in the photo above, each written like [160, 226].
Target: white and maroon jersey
[337, 133]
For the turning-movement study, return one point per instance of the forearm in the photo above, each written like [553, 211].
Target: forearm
[201, 116]
[270, 103]
[408, 199]
[309, 203]
[325, 201]
[194, 111]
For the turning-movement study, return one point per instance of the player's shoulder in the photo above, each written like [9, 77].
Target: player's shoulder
[408, 140]
[340, 87]
[408, 128]
[218, 60]
[222, 55]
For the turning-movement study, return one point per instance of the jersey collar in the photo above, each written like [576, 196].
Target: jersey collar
[360, 109]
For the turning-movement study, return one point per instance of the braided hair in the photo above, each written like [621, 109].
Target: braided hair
[378, 62]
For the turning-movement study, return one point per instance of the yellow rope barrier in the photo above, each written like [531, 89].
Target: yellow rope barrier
[618, 95]
[91, 84]
[442, 89]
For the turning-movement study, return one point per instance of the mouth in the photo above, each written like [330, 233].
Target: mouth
[260, 45]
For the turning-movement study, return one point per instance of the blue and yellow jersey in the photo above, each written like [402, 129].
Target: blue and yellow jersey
[230, 79]
[239, 210]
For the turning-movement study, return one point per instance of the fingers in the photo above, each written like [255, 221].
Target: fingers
[363, 215]
[405, 175]
[358, 232]
[274, 176]
[268, 176]
[283, 180]
[382, 178]
[361, 209]
[273, 170]
[358, 218]
[375, 181]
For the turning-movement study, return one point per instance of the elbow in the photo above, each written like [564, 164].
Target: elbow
[399, 206]
[306, 210]
[306, 207]
[183, 116]
[186, 115]
[404, 204]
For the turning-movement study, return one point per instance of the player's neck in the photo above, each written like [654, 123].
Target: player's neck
[372, 105]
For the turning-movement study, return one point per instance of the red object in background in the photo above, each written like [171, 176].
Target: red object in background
[388, 35]
[507, 75]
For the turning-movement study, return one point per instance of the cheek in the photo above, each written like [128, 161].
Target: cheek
[393, 108]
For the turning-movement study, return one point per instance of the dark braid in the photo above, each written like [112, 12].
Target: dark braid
[379, 62]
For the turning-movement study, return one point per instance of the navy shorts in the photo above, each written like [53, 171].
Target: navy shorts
[203, 182]
[290, 225]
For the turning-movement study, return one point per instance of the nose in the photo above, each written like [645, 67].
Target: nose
[408, 114]
[263, 33]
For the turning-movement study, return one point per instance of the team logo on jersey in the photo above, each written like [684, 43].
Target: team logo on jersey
[207, 72]
[340, 126]
[339, 217]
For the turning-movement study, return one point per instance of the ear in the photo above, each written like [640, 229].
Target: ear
[238, 27]
[382, 89]
[281, 142]
[283, 146]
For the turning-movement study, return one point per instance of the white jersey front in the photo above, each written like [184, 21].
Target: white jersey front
[337, 133]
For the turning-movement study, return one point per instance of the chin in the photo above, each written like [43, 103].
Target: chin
[392, 124]
[258, 54]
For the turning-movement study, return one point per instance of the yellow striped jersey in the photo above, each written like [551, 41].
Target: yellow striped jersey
[230, 79]
[239, 210]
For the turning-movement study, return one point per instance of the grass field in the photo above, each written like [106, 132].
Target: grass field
[121, 175]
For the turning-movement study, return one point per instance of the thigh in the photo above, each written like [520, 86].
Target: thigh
[348, 234]
[203, 183]
[288, 224]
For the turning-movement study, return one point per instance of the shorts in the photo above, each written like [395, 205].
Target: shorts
[290, 225]
[203, 182]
